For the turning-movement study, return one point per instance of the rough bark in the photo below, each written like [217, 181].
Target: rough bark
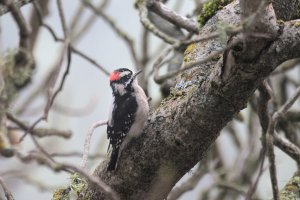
[286, 10]
[181, 130]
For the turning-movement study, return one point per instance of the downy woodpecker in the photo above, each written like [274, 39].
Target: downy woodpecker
[128, 113]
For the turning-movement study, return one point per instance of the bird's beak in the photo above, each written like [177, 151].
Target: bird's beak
[136, 73]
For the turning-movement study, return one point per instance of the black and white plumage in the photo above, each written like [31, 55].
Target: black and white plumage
[128, 114]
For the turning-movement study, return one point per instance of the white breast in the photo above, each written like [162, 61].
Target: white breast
[142, 111]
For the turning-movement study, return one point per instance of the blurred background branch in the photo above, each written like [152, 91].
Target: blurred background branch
[180, 46]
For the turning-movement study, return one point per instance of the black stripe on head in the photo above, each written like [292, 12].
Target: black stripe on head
[124, 74]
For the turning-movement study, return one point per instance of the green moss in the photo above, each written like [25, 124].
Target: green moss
[297, 24]
[137, 3]
[77, 186]
[191, 90]
[214, 84]
[188, 53]
[209, 9]
[176, 93]
[61, 194]
[15, 72]
[280, 22]
[78, 183]
[297, 15]
[292, 188]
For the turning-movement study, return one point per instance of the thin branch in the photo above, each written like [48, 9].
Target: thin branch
[26, 178]
[89, 22]
[75, 50]
[59, 89]
[52, 94]
[283, 110]
[7, 192]
[18, 3]
[90, 60]
[34, 23]
[253, 186]
[129, 41]
[62, 19]
[143, 13]
[190, 184]
[87, 142]
[20, 20]
[70, 169]
[77, 154]
[262, 110]
[160, 79]
[286, 66]
[170, 15]
[230, 186]
[157, 64]
[39, 132]
[270, 134]
[288, 147]
[271, 157]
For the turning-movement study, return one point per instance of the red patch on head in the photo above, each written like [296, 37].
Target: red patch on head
[114, 76]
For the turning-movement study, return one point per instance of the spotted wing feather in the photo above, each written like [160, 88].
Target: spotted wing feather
[123, 117]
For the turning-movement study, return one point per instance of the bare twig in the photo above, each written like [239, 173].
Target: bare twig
[20, 20]
[59, 89]
[143, 12]
[62, 19]
[92, 61]
[160, 79]
[7, 192]
[286, 66]
[34, 23]
[70, 169]
[253, 186]
[26, 178]
[190, 183]
[168, 14]
[117, 29]
[157, 64]
[77, 154]
[39, 132]
[87, 142]
[270, 134]
[52, 95]
[230, 186]
[288, 147]
[76, 111]
[89, 22]
[283, 110]
[18, 3]
[56, 38]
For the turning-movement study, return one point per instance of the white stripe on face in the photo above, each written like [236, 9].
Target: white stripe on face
[125, 73]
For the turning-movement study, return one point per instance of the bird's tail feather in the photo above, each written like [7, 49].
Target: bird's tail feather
[113, 159]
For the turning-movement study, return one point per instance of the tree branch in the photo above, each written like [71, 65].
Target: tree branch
[184, 126]
[178, 20]
[18, 3]
[7, 192]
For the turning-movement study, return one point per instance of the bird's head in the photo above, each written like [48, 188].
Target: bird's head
[121, 80]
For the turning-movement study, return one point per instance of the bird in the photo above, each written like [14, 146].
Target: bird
[128, 114]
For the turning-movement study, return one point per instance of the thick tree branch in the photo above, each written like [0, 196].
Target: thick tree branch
[184, 126]
[287, 9]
